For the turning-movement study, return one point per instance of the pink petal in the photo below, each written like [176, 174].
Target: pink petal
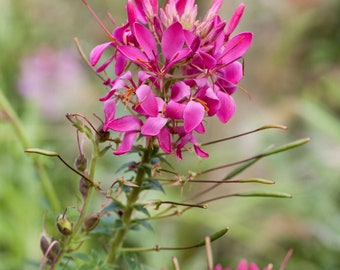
[234, 20]
[227, 108]
[109, 113]
[146, 40]
[174, 110]
[236, 47]
[215, 7]
[97, 52]
[133, 54]
[253, 266]
[153, 125]
[120, 64]
[147, 100]
[208, 61]
[172, 40]
[243, 265]
[164, 140]
[126, 123]
[180, 90]
[127, 143]
[193, 115]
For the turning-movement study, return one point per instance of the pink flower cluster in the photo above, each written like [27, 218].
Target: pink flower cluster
[186, 70]
[244, 265]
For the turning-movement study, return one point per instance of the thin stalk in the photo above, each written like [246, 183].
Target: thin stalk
[118, 240]
[86, 202]
[19, 131]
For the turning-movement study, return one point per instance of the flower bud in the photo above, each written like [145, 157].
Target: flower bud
[64, 225]
[81, 163]
[91, 221]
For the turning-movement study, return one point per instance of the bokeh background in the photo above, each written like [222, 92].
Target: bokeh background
[292, 73]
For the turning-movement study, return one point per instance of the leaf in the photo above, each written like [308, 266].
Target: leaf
[127, 165]
[153, 185]
[142, 209]
[41, 152]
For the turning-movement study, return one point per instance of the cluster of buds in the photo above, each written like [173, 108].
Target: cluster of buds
[187, 70]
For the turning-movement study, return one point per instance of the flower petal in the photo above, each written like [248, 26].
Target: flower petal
[174, 110]
[179, 90]
[234, 20]
[172, 40]
[236, 47]
[193, 115]
[126, 123]
[97, 52]
[109, 113]
[127, 143]
[147, 100]
[153, 125]
[164, 140]
[227, 108]
[146, 40]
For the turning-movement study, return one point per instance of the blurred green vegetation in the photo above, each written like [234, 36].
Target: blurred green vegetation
[293, 75]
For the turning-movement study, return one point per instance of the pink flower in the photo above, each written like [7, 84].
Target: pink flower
[244, 265]
[187, 71]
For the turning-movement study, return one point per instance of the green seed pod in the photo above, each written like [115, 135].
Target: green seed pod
[64, 225]
[81, 163]
[91, 221]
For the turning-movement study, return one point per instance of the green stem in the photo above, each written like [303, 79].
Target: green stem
[84, 207]
[19, 131]
[117, 241]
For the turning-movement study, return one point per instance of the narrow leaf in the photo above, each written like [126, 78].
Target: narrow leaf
[41, 152]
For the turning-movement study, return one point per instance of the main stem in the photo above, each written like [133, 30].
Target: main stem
[117, 241]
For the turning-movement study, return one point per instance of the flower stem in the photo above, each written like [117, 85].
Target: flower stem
[117, 241]
[47, 186]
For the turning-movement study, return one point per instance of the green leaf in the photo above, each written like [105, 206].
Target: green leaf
[153, 185]
[41, 152]
[142, 209]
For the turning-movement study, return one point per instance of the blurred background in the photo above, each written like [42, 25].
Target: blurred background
[292, 73]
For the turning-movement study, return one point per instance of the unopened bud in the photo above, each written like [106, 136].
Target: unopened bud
[91, 221]
[81, 163]
[83, 187]
[64, 225]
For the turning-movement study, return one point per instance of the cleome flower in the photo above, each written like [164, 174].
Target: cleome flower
[187, 70]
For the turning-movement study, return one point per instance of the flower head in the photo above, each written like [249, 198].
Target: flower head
[187, 71]
[244, 265]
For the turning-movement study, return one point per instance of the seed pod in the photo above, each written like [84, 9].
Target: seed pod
[81, 162]
[91, 221]
[51, 253]
[44, 244]
[83, 187]
[64, 225]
